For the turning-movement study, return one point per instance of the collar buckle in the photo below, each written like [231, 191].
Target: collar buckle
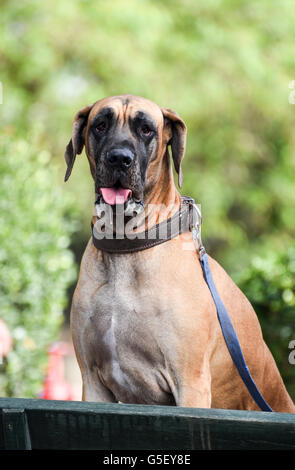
[196, 228]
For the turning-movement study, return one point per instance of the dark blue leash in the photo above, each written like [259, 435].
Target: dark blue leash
[227, 328]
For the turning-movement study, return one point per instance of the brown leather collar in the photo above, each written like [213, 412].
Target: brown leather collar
[182, 221]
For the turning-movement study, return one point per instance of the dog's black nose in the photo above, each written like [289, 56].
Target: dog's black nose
[120, 158]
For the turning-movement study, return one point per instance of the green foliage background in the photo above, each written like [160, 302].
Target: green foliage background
[226, 66]
[36, 263]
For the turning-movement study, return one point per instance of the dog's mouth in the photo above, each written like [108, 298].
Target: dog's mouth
[115, 195]
[118, 198]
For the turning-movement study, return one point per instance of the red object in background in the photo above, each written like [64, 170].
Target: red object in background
[6, 342]
[55, 385]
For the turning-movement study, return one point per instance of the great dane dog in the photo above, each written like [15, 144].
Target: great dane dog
[144, 324]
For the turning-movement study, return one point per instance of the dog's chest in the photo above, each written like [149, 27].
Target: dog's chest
[130, 321]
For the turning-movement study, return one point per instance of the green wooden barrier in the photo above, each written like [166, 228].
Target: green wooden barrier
[44, 424]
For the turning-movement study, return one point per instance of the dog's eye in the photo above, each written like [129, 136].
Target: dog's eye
[146, 131]
[101, 127]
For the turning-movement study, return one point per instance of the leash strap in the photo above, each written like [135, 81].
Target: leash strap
[229, 333]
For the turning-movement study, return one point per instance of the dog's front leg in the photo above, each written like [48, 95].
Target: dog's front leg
[95, 390]
[197, 395]
[195, 390]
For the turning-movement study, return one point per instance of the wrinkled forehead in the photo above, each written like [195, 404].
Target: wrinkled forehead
[128, 106]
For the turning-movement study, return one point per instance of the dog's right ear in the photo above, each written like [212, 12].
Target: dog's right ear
[76, 144]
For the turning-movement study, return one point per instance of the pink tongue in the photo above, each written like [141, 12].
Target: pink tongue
[114, 196]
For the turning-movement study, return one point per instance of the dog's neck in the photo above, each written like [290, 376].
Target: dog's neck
[162, 199]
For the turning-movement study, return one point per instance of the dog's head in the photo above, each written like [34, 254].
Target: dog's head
[123, 135]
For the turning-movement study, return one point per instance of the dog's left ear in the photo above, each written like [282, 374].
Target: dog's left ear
[76, 144]
[177, 140]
